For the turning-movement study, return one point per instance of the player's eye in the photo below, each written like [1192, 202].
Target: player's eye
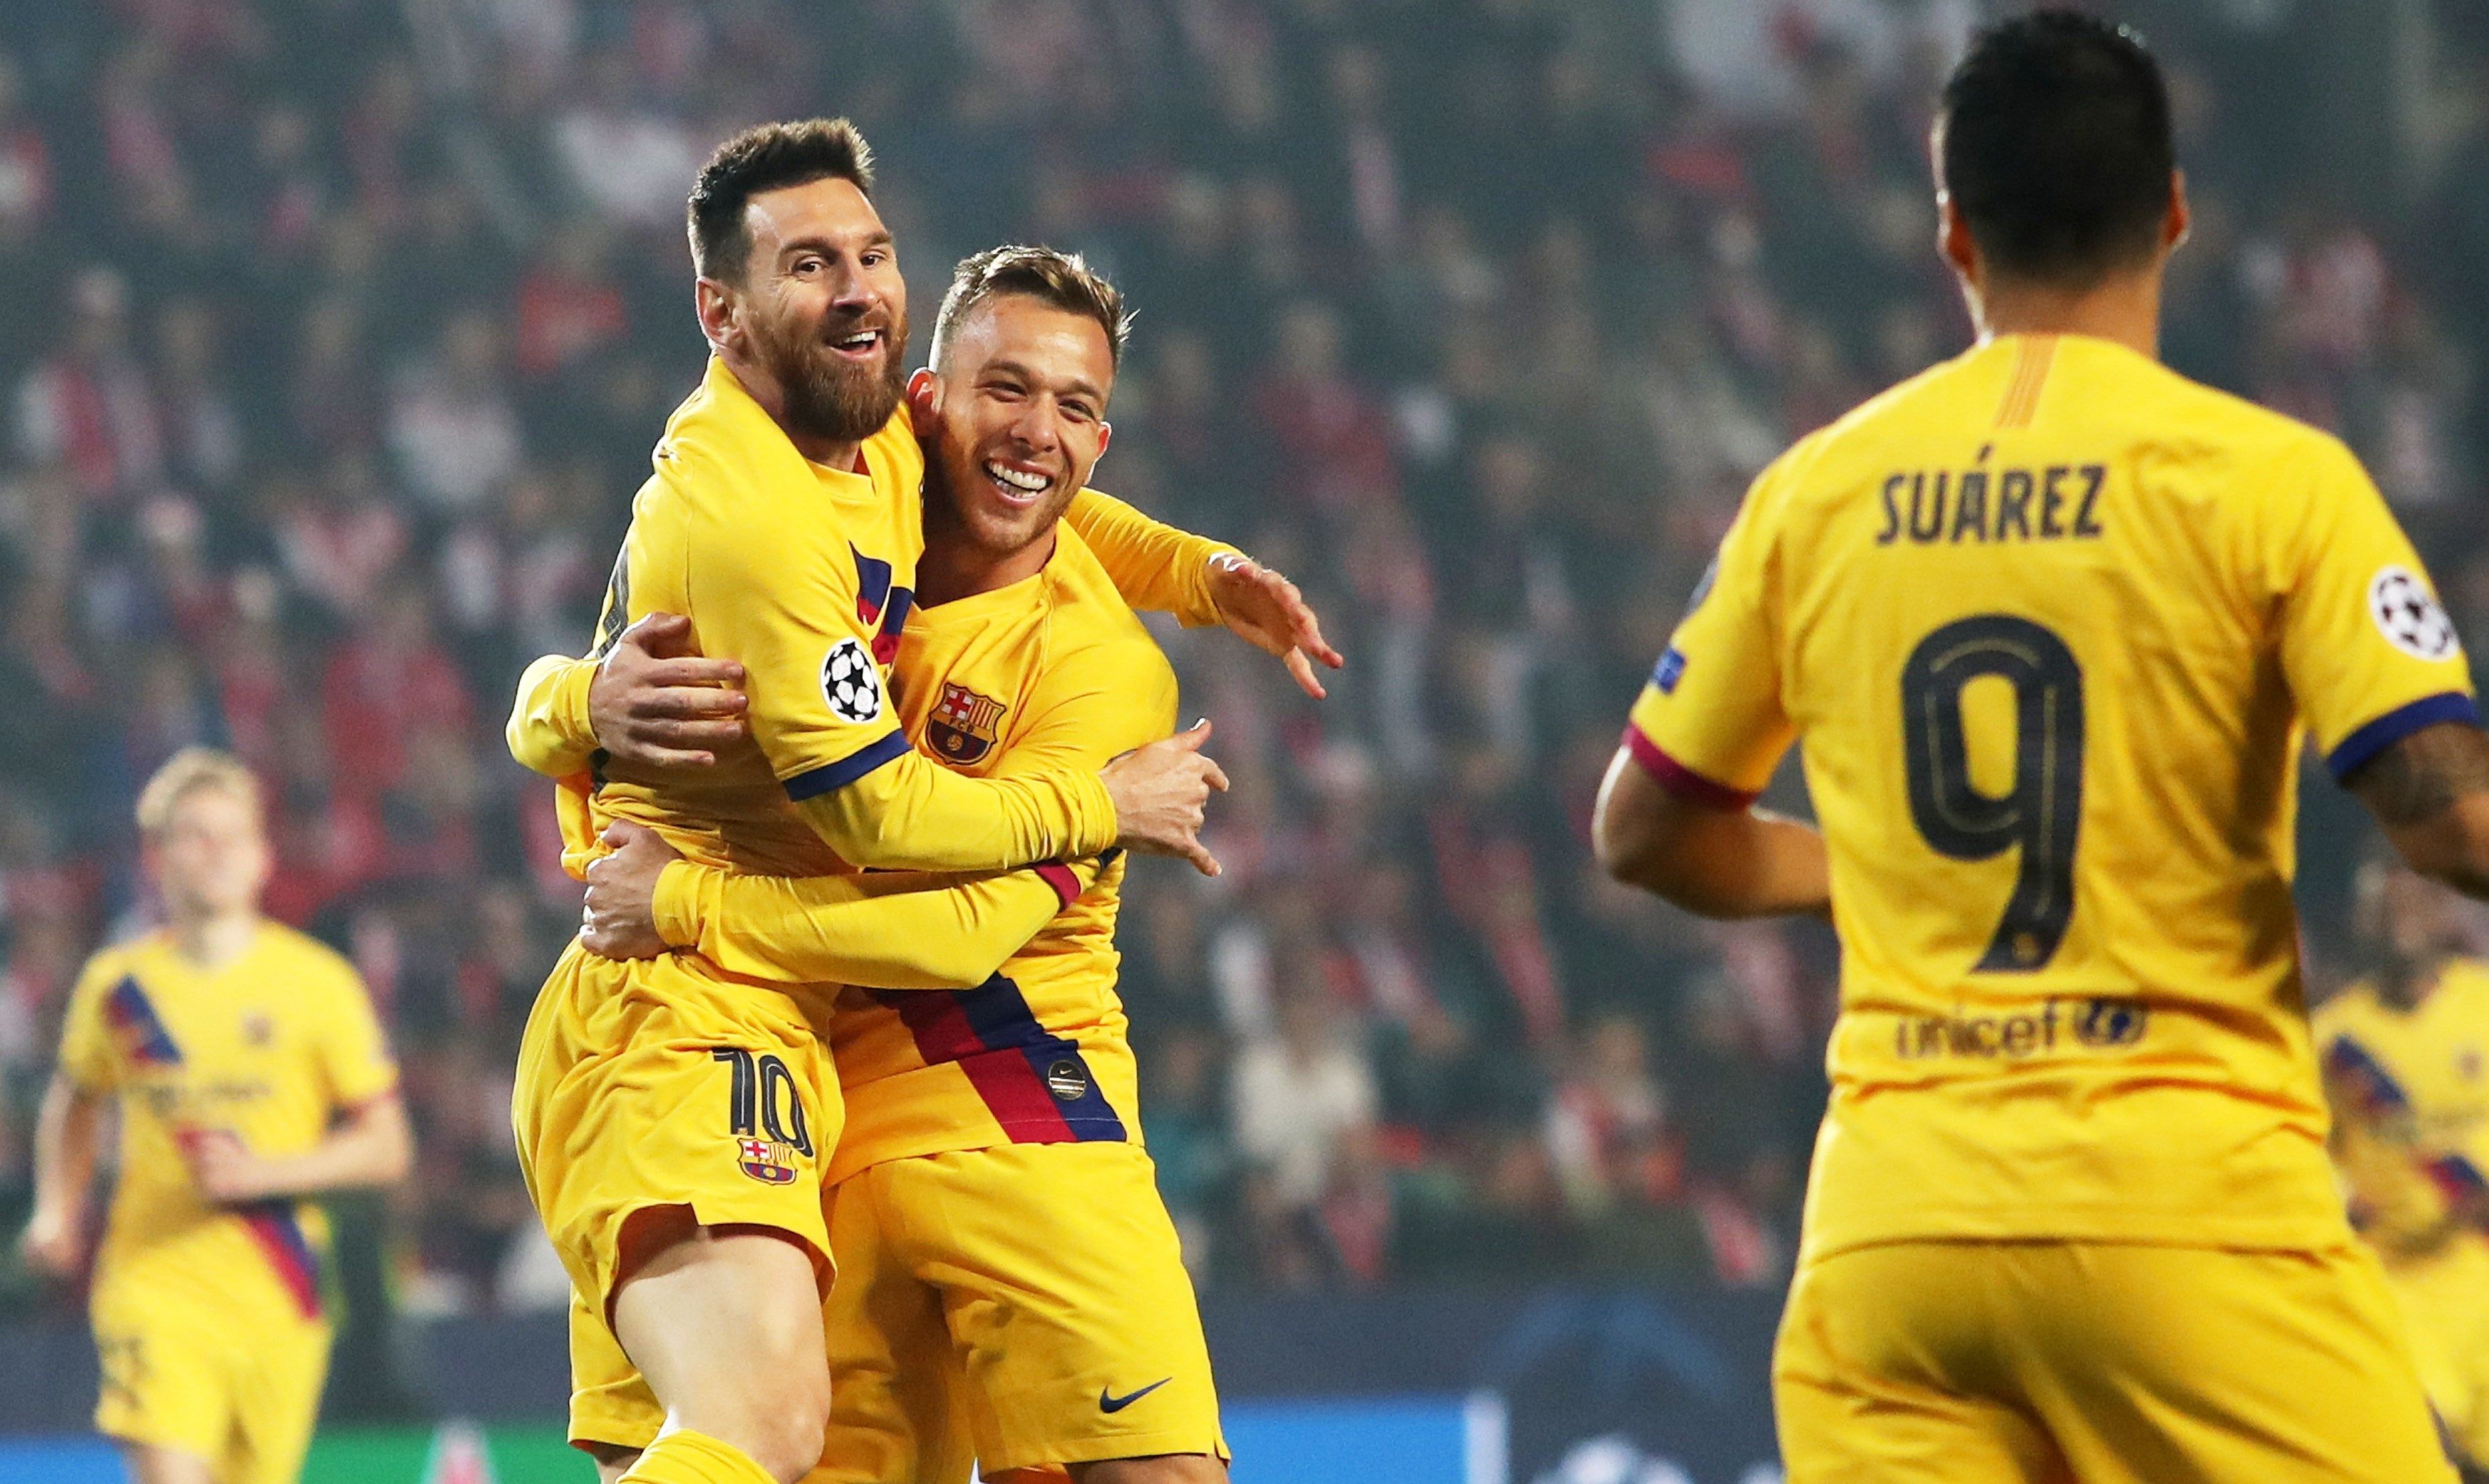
[804, 266]
[1077, 412]
[875, 257]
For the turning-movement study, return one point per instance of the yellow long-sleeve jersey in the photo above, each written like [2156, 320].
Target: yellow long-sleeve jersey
[805, 574]
[1052, 672]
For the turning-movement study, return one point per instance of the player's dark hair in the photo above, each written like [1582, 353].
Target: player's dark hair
[765, 157]
[1061, 279]
[2055, 148]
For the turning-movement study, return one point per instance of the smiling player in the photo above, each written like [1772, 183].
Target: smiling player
[672, 1121]
[978, 1118]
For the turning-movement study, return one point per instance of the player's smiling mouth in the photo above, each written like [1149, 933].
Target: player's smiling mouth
[858, 345]
[1017, 485]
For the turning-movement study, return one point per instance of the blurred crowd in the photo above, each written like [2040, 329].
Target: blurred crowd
[339, 332]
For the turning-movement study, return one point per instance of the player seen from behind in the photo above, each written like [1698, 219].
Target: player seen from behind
[2050, 621]
[250, 1075]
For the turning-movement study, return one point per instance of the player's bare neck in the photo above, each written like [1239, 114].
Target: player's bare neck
[954, 567]
[210, 941]
[2124, 309]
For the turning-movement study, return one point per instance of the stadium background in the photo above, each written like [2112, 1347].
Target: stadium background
[335, 332]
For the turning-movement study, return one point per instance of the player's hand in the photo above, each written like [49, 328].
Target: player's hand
[225, 1171]
[619, 918]
[1160, 792]
[52, 1245]
[657, 703]
[1265, 611]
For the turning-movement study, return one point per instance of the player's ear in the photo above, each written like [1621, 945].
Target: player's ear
[1105, 435]
[2181, 219]
[1953, 238]
[923, 402]
[714, 303]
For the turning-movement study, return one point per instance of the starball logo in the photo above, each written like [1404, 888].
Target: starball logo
[2104, 1023]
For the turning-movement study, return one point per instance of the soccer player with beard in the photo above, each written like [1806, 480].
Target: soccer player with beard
[977, 1118]
[670, 1118]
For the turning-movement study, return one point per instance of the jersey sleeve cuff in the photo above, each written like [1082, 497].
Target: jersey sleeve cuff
[2386, 731]
[1061, 877]
[676, 905]
[813, 783]
[1679, 779]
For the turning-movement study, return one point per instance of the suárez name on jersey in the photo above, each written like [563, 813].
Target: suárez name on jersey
[2053, 503]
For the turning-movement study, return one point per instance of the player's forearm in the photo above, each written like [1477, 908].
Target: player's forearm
[1711, 861]
[549, 731]
[888, 931]
[2430, 794]
[372, 1147]
[912, 813]
[1156, 567]
[68, 1144]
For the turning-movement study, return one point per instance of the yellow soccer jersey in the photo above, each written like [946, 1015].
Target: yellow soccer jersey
[1048, 673]
[2049, 619]
[268, 1048]
[2412, 1088]
[805, 575]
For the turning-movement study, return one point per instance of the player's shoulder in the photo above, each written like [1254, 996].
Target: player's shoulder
[2344, 1013]
[2467, 980]
[305, 958]
[1090, 625]
[118, 961]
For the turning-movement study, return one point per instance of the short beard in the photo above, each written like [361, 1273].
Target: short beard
[828, 399]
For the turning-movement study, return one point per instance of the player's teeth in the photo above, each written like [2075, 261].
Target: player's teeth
[1017, 479]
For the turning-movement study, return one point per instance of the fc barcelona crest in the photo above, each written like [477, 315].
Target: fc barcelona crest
[965, 724]
[766, 1160]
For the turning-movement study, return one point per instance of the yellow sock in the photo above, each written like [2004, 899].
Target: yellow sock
[695, 1458]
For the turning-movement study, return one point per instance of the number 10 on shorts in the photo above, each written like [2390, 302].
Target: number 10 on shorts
[765, 1115]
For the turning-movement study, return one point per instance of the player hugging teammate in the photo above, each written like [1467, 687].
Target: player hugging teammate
[925, 659]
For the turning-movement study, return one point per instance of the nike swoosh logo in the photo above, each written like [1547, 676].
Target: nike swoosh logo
[1108, 1401]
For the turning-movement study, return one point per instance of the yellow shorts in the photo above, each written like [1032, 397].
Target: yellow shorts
[2056, 1361]
[242, 1396]
[1026, 1306]
[653, 1084]
[2444, 1300]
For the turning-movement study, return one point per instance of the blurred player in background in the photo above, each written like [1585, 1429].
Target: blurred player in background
[2049, 619]
[671, 1122]
[1009, 1285]
[2405, 1058]
[250, 1075]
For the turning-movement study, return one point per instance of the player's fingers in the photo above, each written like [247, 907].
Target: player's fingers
[647, 755]
[687, 736]
[1191, 737]
[695, 675]
[1305, 625]
[1213, 775]
[1202, 860]
[1302, 669]
[660, 634]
